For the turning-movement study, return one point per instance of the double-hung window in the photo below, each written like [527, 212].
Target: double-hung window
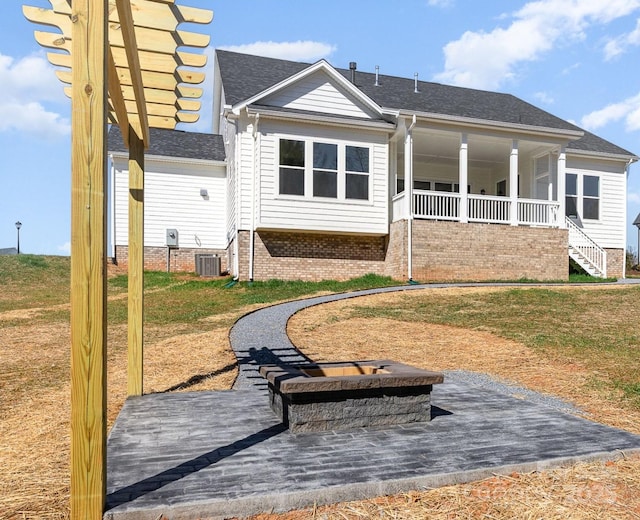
[325, 170]
[292, 167]
[357, 172]
[583, 196]
[316, 169]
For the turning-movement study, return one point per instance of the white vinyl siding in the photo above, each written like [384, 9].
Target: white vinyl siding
[172, 200]
[310, 213]
[316, 93]
[609, 230]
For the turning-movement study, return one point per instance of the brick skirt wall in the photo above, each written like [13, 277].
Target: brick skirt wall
[311, 257]
[442, 251]
[180, 260]
[455, 251]
[615, 263]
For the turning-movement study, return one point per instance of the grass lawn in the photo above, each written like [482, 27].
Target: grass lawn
[580, 343]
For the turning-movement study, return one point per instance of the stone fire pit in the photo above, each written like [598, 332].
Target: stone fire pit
[348, 395]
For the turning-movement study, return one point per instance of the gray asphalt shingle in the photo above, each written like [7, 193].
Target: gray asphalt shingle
[244, 76]
[175, 143]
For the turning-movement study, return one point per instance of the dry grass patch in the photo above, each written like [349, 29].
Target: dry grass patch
[583, 491]
[35, 402]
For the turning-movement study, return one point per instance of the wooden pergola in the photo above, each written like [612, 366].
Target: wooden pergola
[121, 62]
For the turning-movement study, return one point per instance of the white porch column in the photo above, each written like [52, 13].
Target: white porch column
[562, 187]
[513, 182]
[408, 171]
[408, 191]
[463, 177]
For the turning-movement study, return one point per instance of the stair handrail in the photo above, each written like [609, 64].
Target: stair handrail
[587, 247]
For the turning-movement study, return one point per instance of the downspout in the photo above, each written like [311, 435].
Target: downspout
[408, 159]
[252, 226]
[624, 252]
[112, 210]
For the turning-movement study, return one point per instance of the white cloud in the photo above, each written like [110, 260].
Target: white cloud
[633, 197]
[65, 248]
[544, 98]
[440, 3]
[489, 59]
[297, 51]
[32, 118]
[616, 46]
[627, 110]
[24, 85]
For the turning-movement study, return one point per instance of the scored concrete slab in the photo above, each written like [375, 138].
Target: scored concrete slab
[223, 454]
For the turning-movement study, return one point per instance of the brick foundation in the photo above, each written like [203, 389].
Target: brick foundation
[181, 259]
[455, 251]
[442, 251]
[306, 256]
[615, 263]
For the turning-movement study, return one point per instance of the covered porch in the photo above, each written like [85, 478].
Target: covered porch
[511, 178]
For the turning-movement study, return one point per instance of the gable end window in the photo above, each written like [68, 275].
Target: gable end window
[324, 170]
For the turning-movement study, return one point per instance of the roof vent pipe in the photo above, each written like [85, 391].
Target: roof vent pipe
[352, 67]
[415, 81]
[377, 75]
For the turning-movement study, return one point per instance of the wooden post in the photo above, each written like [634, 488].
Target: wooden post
[88, 259]
[136, 264]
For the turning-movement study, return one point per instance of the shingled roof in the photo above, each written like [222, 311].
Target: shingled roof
[244, 76]
[175, 143]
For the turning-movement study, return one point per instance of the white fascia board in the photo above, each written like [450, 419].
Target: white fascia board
[319, 65]
[321, 119]
[470, 122]
[172, 160]
[602, 155]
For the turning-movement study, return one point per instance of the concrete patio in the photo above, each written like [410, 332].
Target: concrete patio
[224, 454]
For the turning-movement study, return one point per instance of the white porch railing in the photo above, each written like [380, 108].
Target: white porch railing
[439, 205]
[398, 207]
[489, 209]
[533, 212]
[589, 255]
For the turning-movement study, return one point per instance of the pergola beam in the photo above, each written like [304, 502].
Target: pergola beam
[141, 123]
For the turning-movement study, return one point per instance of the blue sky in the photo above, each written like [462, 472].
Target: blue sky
[575, 58]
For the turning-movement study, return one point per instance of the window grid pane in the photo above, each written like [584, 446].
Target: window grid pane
[325, 156]
[572, 184]
[357, 186]
[291, 181]
[357, 159]
[291, 153]
[591, 208]
[325, 184]
[591, 186]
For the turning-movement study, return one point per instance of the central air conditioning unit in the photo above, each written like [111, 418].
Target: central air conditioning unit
[208, 265]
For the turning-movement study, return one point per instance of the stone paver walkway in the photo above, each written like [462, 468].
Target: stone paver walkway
[221, 454]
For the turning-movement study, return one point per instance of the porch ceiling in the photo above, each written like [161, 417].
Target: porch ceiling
[443, 147]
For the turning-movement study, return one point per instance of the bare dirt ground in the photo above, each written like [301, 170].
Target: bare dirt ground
[34, 413]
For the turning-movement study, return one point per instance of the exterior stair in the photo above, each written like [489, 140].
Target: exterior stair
[585, 252]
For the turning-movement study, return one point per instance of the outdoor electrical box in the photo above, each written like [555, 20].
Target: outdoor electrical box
[172, 238]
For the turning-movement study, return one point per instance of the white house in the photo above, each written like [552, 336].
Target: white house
[315, 172]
